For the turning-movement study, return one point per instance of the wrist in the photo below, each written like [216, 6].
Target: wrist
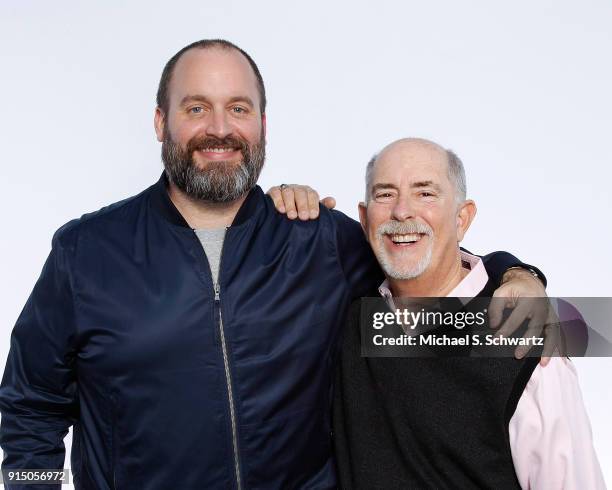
[517, 272]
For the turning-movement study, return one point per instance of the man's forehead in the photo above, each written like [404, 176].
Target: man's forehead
[413, 161]
[213, 71]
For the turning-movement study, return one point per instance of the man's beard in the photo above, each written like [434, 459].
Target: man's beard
[403, 270]
[219, 181]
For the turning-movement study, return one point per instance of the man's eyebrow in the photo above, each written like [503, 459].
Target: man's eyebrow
[194, 98]
[383, 185]
[425, 183]
[242, 98]
[202, 98]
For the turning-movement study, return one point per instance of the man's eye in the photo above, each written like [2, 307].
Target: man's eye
[196, 110]
[426, 194]
[239, 110]
[384, 195]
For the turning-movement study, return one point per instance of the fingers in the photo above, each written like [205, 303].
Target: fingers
[313, 203]
[553, 338]
[301, 201]
[541, 323]
[534, 329]
[497, 306]
[520, 313]
[551, 341]
[298, 201]
[277, 198]
[288, 195]
[329, 202]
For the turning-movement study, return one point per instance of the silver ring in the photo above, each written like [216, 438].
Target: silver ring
[283, 186]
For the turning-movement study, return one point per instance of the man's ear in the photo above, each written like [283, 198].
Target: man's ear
[363, 217]
[159, 121]
[465, 216]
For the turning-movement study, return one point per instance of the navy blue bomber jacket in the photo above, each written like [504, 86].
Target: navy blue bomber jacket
[168, 383]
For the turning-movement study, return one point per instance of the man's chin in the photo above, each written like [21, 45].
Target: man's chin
[402, 268]
[405, 273]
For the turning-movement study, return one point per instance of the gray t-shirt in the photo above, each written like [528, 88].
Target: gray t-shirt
[212, 242]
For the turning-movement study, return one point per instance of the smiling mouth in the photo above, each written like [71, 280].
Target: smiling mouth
[219, 153]
[219, 149]
[408, 239]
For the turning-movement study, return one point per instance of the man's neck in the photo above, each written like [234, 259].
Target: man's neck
[204, 214]
[435, 282]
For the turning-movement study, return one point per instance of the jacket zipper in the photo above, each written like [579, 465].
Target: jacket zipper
[228, 379]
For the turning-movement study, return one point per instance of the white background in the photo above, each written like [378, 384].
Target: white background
[520, 90]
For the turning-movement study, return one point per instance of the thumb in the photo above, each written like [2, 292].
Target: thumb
[329, 202]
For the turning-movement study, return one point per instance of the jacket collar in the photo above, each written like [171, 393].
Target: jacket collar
[163, 204]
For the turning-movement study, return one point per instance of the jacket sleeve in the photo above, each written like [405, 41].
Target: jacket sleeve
[38, 394]
[496, 263]
[360, 267]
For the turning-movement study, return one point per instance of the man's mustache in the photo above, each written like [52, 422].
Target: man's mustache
[394, 227]
[206, 142]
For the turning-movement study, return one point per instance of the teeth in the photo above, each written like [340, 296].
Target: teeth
[217, 150]
[415, 237]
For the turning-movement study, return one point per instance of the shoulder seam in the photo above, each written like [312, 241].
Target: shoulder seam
[98, 214]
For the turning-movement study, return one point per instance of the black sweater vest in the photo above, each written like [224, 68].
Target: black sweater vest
[415, 423]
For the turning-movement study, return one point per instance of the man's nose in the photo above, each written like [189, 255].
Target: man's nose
[218, 125]
[403, 210]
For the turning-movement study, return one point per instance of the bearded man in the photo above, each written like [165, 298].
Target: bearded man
[188, 333]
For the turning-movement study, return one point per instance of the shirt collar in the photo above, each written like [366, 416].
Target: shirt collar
[470, 285]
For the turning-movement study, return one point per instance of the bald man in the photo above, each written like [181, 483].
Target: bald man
[447, 422]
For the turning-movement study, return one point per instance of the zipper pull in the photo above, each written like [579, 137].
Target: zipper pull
[217, 292]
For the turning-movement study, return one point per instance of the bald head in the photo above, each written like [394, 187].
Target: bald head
[419, 151]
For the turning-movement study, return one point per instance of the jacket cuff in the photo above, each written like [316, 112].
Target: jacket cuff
[497, 263]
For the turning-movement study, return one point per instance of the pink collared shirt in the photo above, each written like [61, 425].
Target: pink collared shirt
[550, 433]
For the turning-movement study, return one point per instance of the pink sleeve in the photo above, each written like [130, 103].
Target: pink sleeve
[550, 433]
